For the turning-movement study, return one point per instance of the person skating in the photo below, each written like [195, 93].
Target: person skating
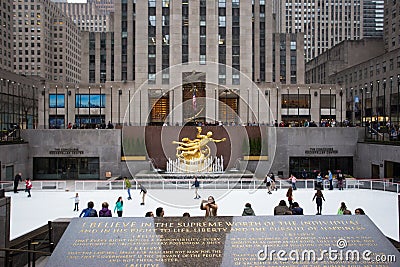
[143, 191]
[319, 197]
[119, 206]
[267, 182]
[76, 202]
[196, 185]
[28, 186]
[128, 186]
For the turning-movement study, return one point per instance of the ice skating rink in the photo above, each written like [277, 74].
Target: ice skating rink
[30, 213]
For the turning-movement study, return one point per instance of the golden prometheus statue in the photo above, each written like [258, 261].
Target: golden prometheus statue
[195, 150]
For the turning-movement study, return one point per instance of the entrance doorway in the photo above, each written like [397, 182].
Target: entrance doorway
[71, 168]
[375, 171]
[9, 173]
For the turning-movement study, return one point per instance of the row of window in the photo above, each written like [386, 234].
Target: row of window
[81, 101]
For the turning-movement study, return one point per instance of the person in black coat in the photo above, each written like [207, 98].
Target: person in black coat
[17, 179]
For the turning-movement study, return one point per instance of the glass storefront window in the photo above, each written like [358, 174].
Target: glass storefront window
[296, 101]
[312, 165]
[66, 168]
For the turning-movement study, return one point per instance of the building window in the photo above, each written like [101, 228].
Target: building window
[56, 100]
[92, 100]
[328, 101]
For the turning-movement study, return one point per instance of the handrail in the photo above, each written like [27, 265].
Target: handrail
[44, 253]
[385, 184]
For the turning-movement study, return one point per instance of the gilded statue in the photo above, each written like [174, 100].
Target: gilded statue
[196, 149]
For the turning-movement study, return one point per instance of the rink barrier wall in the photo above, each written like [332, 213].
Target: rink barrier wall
[222, 183]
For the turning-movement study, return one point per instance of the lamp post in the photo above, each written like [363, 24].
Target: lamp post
[362, 106]
[341, 106]
[371, 92]
[226, 106]
[129, 105]
[390, 100]
[111, 104]
[398, 99]
[216, 105]
[377, 104]
[90, 119]
[78, 105]
[56, 107]
[44, 106]
[384, 100]
[248, 106]
[119, 105]
[287, 105]
[298, 106]
[67, 106]
[352, 106]
[101, 103]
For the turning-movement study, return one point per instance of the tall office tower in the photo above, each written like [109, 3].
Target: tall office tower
[392, 25]
[323, 22]
[46, 42]
[86, 16]
[373, 18]
[6, 35]
[150, 37]
[106, 6]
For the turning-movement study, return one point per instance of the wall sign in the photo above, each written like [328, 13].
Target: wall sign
[65, 151]
[320, 151]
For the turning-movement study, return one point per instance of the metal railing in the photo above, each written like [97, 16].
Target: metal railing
[26, 250]
[7, 185]
[58, 185]
[226, 183]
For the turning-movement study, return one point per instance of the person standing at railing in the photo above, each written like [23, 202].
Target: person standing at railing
[293, 181]
[128, 186]
[319, 182]
[17, 179]
[330, 180]
[340, 180]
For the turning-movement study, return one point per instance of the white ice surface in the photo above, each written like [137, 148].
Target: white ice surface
[30, 213]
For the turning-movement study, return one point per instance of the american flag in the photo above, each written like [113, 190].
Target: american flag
[194, 103]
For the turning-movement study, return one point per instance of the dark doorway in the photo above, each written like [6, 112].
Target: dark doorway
[9, 173]
[375, 171]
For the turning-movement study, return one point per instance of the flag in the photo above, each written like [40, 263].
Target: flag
[194, 103]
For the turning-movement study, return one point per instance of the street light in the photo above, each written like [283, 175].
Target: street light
[56, 107]
[226, 106]
[341, 106]
[67, 106]
[119, 105]
[44, 106]
[101, 103]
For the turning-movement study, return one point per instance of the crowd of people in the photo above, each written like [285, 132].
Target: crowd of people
[211, 208]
